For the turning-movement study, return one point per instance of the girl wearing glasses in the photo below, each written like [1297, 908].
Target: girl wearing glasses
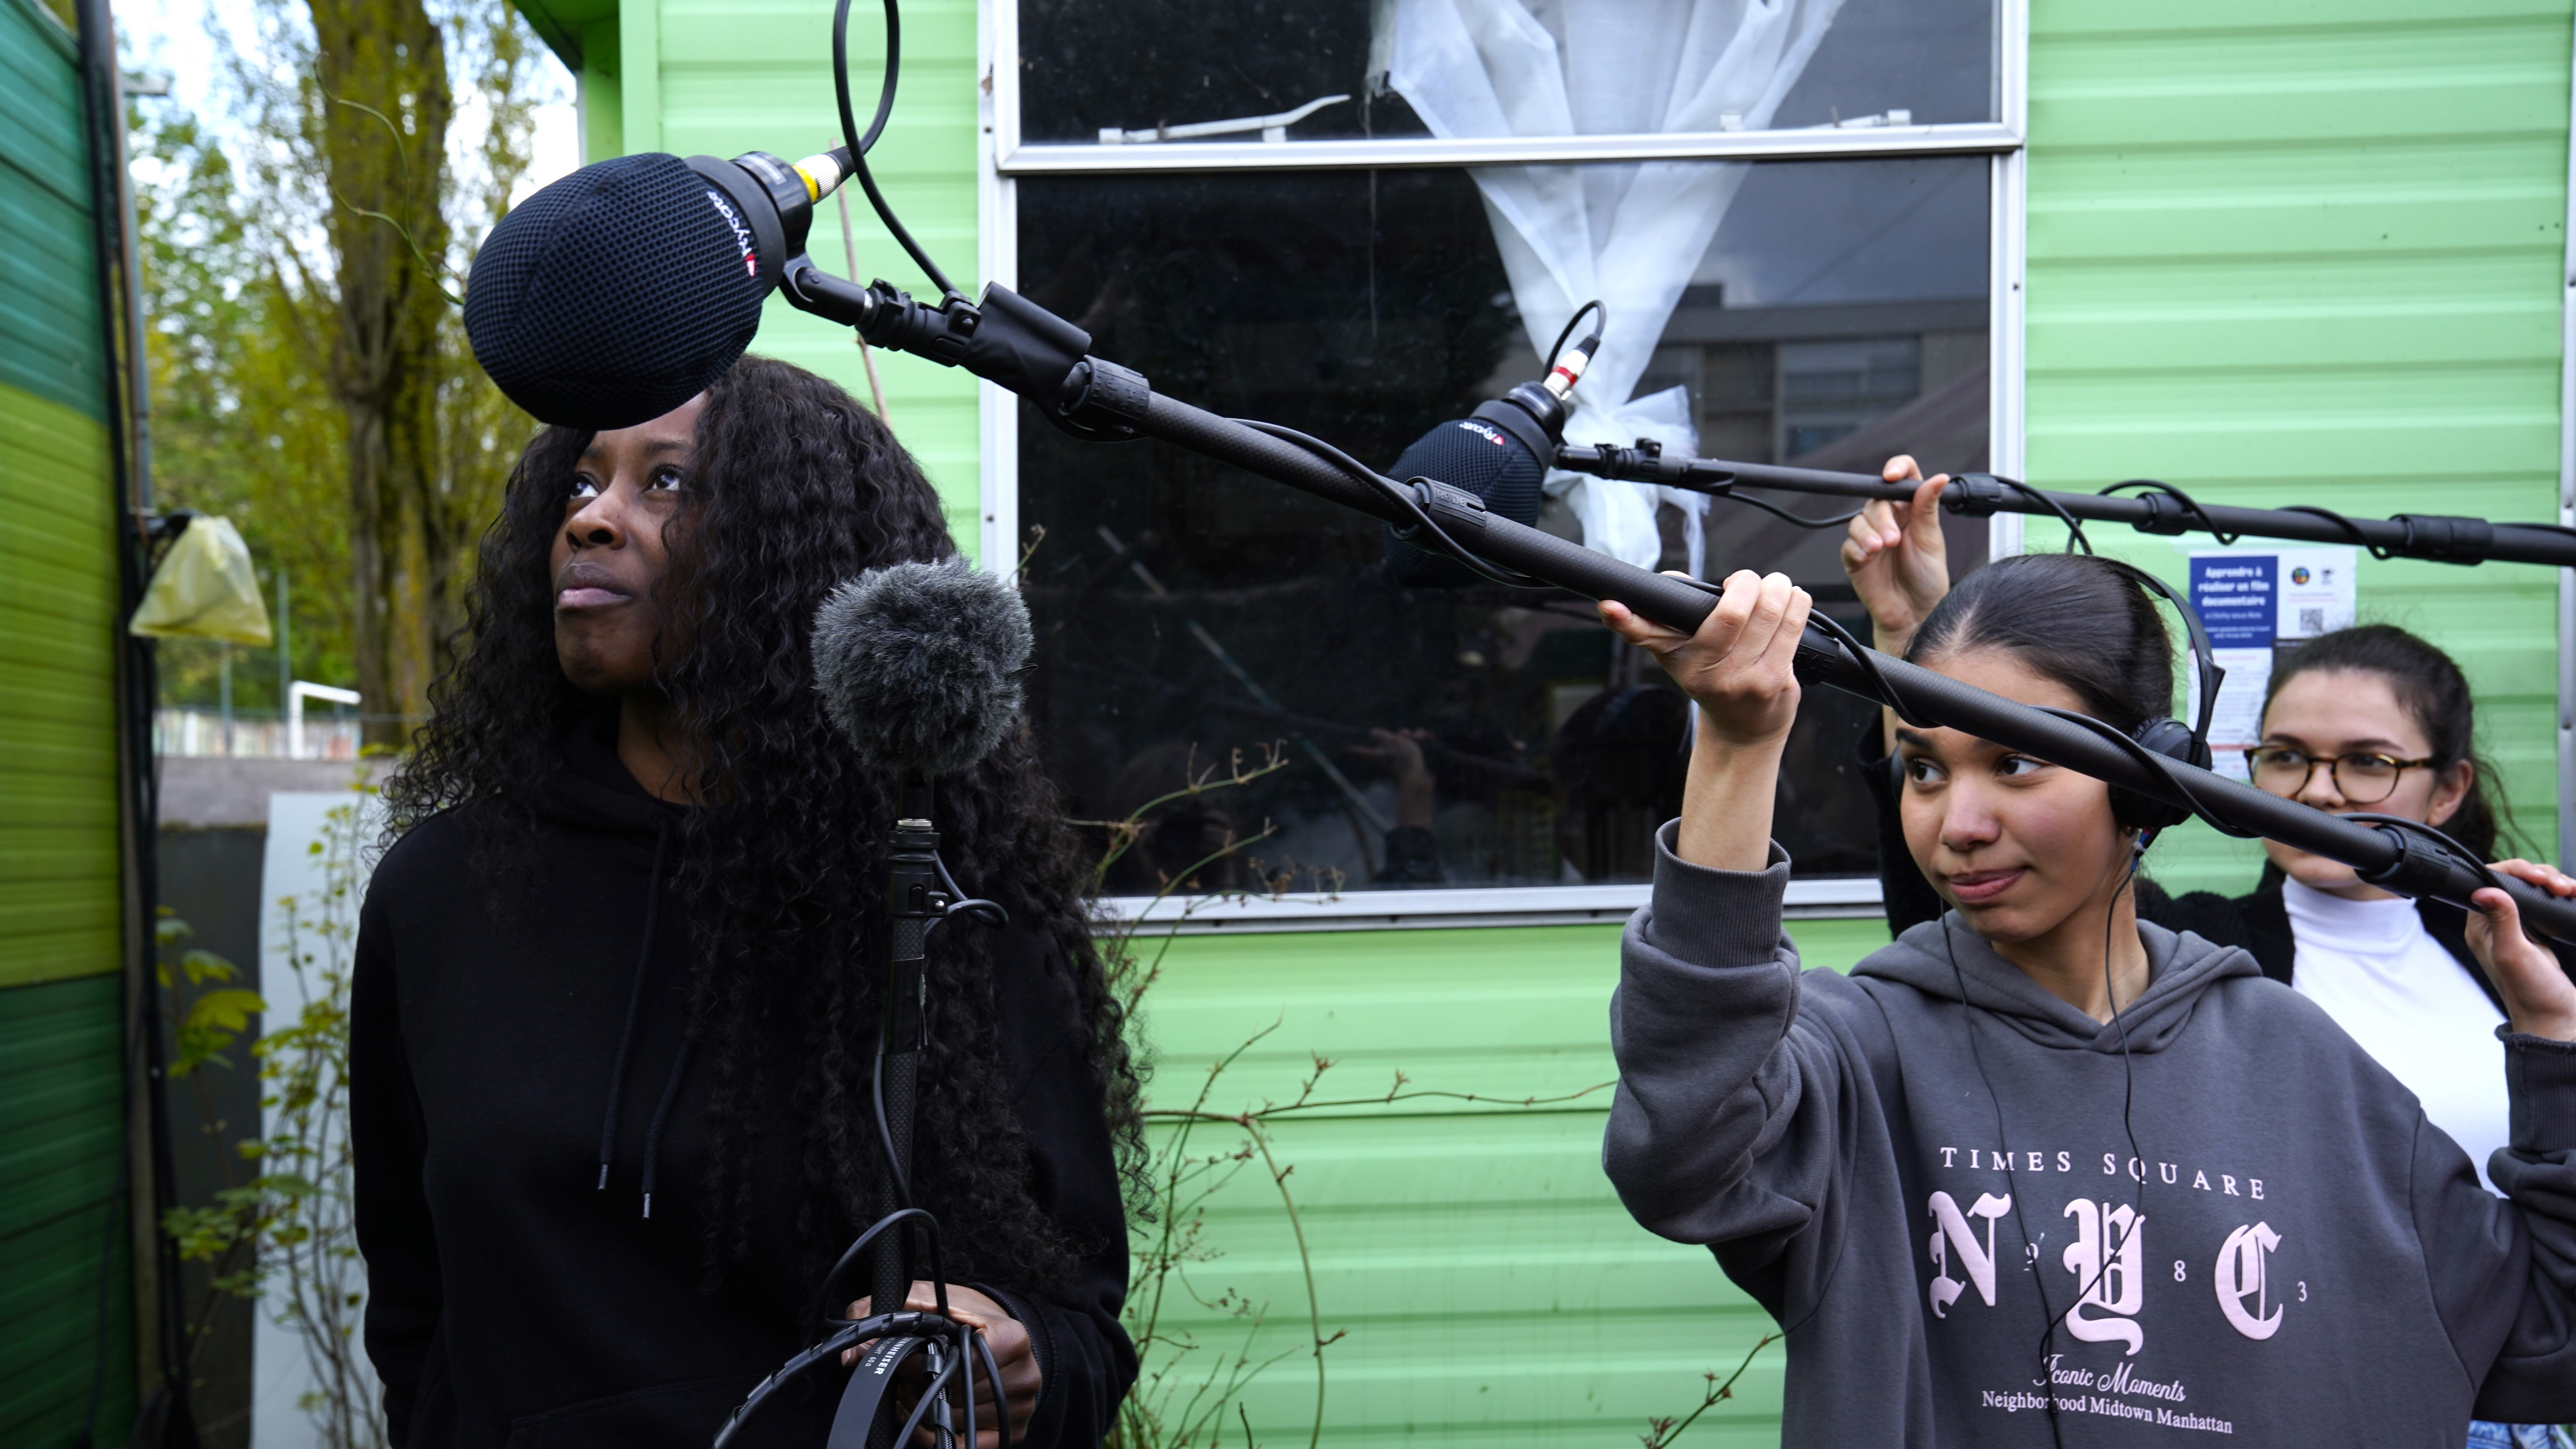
[2369, 719]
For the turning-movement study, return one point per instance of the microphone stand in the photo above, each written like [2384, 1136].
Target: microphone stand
[1012, 342]
[920, 896]
[913, 904]
[2161, 509]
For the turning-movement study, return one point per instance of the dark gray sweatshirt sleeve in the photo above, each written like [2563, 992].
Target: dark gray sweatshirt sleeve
[1740, 1114]
[2504, 1273]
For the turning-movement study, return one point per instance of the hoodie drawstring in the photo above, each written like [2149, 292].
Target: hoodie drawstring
[662, 1114]
[626, 1039]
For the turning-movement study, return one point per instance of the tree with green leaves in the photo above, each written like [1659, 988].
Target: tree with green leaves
[311, 374]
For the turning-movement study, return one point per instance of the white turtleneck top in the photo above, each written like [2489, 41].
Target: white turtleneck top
[2393, 989]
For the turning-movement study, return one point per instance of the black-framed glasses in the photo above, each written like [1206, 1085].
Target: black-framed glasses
[2364, 777]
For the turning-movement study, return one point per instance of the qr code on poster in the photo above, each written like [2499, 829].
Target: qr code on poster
[2312, 621]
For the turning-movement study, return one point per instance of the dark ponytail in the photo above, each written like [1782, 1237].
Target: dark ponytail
[2431, 689]
[2076, 619]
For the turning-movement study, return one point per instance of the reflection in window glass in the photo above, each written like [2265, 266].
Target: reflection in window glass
[1090, 65]
[1190, 616]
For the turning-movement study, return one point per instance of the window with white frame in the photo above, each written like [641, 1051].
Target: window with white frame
[1360, 218]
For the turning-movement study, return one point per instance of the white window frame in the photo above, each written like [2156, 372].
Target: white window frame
[1002, 158]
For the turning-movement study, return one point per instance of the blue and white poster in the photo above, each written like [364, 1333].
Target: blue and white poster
[2253, 603]
[2237, 596]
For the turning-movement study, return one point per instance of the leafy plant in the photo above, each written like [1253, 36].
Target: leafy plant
[284, 1234]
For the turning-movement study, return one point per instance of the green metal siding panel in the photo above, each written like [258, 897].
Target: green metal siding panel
[66, 1302]
[62, 1139]
[49, 300]
[1492, 1288]
[2282, 252]
[58, 915]
[729, 77]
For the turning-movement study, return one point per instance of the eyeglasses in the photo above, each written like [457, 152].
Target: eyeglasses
[2363, 778]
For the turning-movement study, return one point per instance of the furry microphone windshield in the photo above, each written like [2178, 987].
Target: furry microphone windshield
[919, 663]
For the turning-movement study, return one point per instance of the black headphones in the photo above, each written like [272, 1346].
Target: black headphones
[2163, 734]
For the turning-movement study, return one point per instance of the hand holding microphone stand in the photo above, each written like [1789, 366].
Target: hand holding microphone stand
[920, 897]
[919, 665]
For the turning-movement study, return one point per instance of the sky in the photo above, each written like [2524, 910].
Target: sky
[169, 37]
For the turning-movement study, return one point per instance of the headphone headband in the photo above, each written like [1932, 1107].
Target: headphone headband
[2164, 735]
[2204, 661]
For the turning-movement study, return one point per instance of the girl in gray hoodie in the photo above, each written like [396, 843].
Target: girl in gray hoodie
[2030, 1175]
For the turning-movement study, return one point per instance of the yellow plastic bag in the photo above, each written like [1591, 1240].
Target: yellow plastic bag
[205, 588]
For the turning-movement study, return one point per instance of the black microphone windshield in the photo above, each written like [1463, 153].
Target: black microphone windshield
[616, 294]
[919, 664]
[1475, 454]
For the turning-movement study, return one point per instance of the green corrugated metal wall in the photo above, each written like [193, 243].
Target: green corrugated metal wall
[2287, 252]
[62, 1233]
[62, 1220]
[1492, 1290]
[726, 77]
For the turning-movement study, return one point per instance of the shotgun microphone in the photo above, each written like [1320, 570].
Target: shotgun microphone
[1500, 453]
[919, 664]
[619, 292]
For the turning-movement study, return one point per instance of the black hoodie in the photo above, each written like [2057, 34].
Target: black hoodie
[519, 1293]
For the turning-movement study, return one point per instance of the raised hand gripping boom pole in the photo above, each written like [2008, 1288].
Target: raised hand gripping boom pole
[1102, 395]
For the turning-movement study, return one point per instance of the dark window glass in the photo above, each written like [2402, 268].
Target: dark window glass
[1087, 65]
[1190, 615]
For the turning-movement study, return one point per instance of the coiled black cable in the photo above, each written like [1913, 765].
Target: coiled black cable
[1596, 309]
[1784, 515]
[858, 144]
[2075, 538]
[1403, 498]
[2191, 507]
[2160, 764]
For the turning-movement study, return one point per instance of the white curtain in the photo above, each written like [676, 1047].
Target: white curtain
[1629, 234]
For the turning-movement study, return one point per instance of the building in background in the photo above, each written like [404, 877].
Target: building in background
[2269, 253]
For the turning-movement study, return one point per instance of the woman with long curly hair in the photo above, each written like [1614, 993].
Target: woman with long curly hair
[617, 978]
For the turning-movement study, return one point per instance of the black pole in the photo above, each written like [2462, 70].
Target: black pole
[2158, 509]
[165, 1419]
[2384, 857]
[1031, 352]
[912, 886]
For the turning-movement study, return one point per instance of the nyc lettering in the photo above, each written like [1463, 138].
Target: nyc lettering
[1951, 1233]
[1992, 1159]
[2108, 1261]
[2243, 1267]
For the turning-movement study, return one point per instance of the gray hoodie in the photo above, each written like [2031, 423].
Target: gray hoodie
[1942, 1205]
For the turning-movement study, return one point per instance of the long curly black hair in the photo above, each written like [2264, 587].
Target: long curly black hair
[795, 487]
